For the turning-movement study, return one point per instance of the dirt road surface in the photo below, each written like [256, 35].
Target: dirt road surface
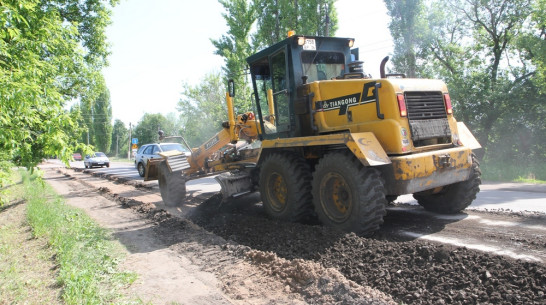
[207, 253]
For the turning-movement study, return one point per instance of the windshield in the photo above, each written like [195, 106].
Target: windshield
[322, 65]
[99, 154]
[175, 146]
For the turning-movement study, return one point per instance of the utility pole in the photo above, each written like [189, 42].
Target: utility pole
[117, 145]
[130, 137]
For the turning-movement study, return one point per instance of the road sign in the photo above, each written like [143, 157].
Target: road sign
[135, 146]
[134, 141]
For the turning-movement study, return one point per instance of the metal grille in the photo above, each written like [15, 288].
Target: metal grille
[427, 118]
[178, 162]
[424, 105]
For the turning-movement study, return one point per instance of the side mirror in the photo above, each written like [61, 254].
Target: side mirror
[231, 88]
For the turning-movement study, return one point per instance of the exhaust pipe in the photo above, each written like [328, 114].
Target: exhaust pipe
[382, 67]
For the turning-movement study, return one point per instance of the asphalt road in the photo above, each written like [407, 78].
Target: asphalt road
[516, 197]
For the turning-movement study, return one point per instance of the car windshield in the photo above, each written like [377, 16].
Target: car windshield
[99, 154]
[174, 146]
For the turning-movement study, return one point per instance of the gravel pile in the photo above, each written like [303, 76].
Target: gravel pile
[412, 272]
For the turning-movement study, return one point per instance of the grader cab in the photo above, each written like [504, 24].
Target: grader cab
[327, 140]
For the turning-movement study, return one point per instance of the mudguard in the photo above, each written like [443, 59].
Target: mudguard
[364, 145]
[466, 137]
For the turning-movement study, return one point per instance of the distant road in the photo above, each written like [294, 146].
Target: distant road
[516, 197]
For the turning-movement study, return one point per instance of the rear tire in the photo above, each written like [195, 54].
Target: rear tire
[455, 197]
[141, 170]
[347, 195]
[172, 185]
[285, 187]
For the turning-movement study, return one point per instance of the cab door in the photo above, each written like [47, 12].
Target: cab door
[270, 78]
[281, 92]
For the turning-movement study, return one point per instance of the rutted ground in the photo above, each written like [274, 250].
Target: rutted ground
[257, 260]
[178, 261]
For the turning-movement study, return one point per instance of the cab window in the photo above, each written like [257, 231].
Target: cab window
[322, 65]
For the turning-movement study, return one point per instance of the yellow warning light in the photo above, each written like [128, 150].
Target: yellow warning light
[351, 43]
[291, 33]
[301, 41]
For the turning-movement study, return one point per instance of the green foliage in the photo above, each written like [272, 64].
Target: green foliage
[96, 115]
[120, 139]
[147, 128]
[203, 109]
[517, 171]
[235, 46]
[272, 19]
[408, 28]
[86, 255]
[490, 53]
[102, 117]
[49, 54]
[532, 43]
[277, 17]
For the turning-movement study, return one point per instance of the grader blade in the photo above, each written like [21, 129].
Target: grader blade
[234, 184]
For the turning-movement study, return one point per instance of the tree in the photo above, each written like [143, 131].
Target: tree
[407, 28]
[96, 112]
[102, 125]
[147, 128]
[490, 53]
[533, 43]
[50, 51]
[273, 19]
[202, 109]
[120, 135]
[277, 17]
[235, 46]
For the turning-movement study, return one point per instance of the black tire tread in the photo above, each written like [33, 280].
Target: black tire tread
[456, 197]
[172, 185]
[299, 198]
[143, 169]
[371, 191]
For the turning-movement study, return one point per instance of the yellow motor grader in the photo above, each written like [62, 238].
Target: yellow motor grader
[327, 140]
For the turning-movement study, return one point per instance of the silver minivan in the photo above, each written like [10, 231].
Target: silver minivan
[151, 151]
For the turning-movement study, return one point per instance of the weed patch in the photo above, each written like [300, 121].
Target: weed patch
[86, 255]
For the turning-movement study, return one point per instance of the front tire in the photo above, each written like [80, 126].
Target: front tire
[285, 187]
[347, 195]
[141, 170]
[172, 185]
[455, 197]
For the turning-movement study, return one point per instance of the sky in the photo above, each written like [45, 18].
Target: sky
[155, 48]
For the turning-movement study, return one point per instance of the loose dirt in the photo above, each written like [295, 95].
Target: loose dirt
[180, 261]
[255, 260]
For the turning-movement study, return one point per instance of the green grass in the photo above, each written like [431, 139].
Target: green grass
[86, 254]
[513, 171]
[27, 271]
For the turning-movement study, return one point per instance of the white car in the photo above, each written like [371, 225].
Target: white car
[97, 159]
[151, 151]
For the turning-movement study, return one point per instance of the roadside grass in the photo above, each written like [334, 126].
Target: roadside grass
[512, 171]
[27, 267]
[86, 255]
